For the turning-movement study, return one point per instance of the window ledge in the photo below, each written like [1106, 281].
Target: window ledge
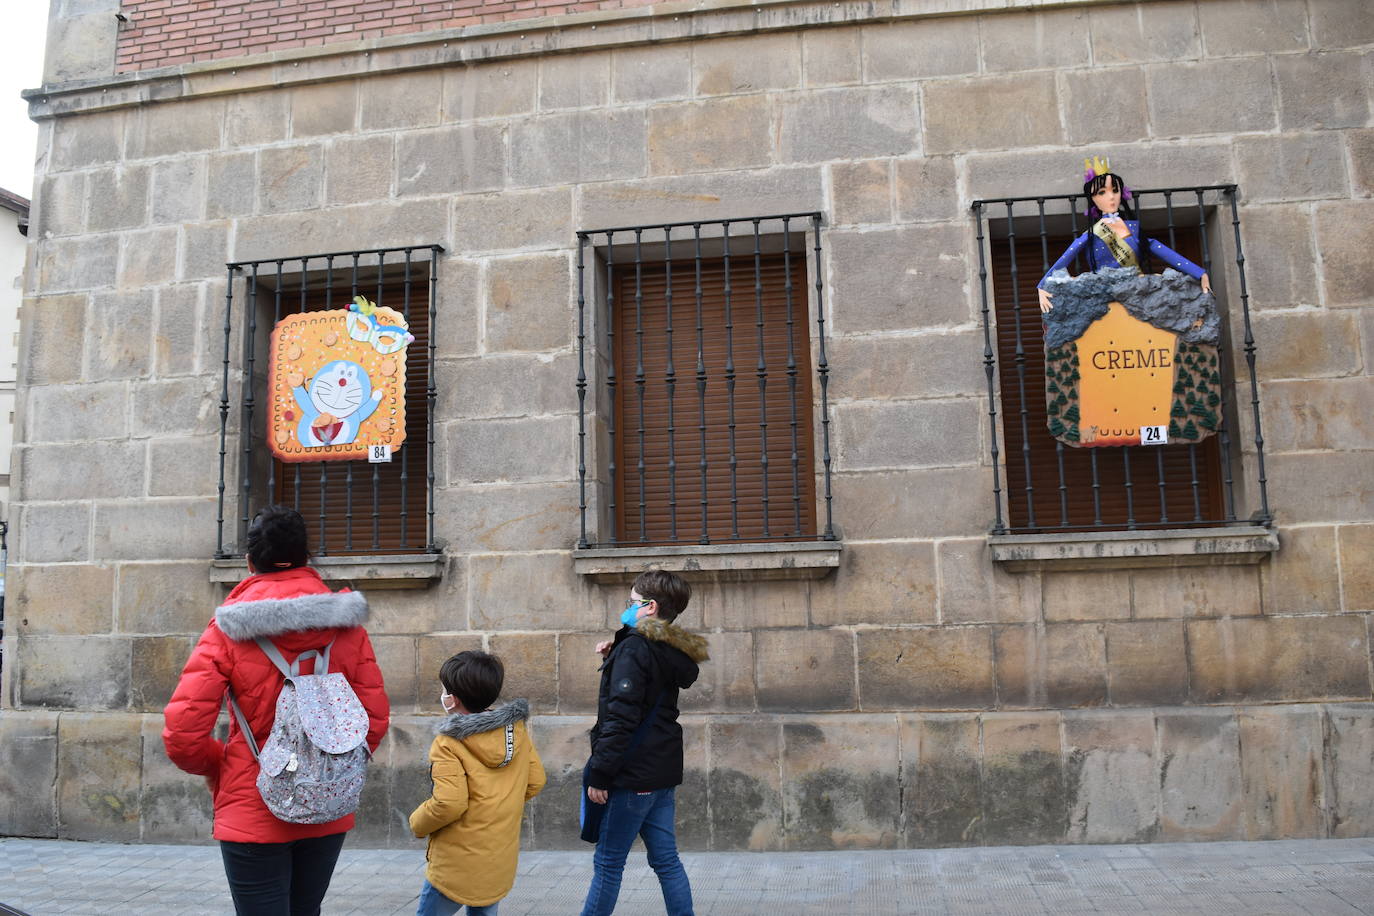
[363, 573]
[1234, 546]
[712, 562]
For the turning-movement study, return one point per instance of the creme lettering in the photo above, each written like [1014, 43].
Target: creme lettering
[1161, 358]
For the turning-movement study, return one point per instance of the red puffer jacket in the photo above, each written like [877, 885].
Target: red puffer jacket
[298, 612]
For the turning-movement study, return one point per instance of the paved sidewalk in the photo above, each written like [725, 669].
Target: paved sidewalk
[54, 878]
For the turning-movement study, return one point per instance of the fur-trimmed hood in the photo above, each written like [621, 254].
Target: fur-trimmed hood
[678, 651]
[291, 601]
[275, 616]
[485, 733]
[461, 725]
[689, 644]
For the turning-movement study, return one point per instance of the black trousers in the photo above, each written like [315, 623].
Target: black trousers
[280, 879]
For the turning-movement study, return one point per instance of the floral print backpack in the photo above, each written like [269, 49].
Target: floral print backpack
[314, 762]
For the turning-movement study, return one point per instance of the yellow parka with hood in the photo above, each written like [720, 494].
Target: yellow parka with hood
[484, 768]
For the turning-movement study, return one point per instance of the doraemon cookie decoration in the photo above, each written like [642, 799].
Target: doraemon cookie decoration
[337, 383]
[333, 408]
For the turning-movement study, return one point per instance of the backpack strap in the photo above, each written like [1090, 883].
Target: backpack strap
[243, 724]
[321, 657]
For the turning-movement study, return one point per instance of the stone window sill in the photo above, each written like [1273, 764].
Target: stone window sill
[363, 573]
[1233, 546]
[712, 562]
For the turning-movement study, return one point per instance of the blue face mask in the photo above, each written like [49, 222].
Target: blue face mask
[631, 615]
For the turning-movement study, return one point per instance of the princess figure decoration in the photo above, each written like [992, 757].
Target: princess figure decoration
[1114, 238]
[1130, 358]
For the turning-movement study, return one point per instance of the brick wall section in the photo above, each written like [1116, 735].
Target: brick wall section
[161, 33]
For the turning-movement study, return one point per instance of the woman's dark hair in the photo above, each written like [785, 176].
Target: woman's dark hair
[671, 591]
[277, 540]
[1097, 183]
[474, 678]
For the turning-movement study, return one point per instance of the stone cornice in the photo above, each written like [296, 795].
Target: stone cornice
[1239, 545]
[677, 20]
[406, 571]
[712, 562]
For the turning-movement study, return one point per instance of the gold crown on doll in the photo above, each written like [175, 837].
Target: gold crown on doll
[1094, 166]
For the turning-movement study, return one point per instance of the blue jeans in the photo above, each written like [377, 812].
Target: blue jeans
[649, 815]
[433, 903]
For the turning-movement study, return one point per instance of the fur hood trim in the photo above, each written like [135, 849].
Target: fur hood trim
[689, 644]
[273, 616]
[460, 725]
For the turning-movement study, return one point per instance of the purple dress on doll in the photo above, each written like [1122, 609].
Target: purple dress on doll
[1099, 255]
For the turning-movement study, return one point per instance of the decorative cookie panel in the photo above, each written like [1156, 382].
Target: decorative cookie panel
[336, 383]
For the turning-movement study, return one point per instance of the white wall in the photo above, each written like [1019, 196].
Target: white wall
[12, 250]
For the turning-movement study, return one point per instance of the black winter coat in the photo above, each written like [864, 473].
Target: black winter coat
[655, 658]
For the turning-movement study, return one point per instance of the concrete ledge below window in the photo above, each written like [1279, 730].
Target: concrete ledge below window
[1235, 546]
[712, 562]
[363, 573]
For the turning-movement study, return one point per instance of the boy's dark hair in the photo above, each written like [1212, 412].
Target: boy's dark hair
[671, 591]
[474, 678]
[277, 540]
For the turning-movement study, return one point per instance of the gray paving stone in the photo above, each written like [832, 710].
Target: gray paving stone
[1306, 901]
[1311, 876]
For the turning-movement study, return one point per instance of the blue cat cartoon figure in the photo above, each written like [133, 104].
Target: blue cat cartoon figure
[338, 400]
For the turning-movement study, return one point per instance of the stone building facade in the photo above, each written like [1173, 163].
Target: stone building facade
[930, 675]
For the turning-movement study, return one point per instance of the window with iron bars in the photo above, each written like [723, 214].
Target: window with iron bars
[353, 507]
[702, 394]
[1051, 487]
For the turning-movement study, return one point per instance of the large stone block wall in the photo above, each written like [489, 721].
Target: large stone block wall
[793, 782]
[917, 695]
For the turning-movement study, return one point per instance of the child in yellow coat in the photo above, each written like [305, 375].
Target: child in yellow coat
[484, 768]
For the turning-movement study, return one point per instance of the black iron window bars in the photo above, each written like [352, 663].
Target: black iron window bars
[1054, 488]
[695, 383]
[352, 507]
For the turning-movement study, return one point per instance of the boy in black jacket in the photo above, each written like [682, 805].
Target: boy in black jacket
[636, 760]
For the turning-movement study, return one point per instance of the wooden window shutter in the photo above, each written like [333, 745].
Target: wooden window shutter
[737, 512]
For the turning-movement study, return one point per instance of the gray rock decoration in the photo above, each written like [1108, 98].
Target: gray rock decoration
[1170, 301]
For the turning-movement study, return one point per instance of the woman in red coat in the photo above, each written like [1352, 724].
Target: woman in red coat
[273, 867]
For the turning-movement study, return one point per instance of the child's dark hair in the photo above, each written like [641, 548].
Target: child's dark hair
[473, 678]
[277, 540]
[671, 591]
